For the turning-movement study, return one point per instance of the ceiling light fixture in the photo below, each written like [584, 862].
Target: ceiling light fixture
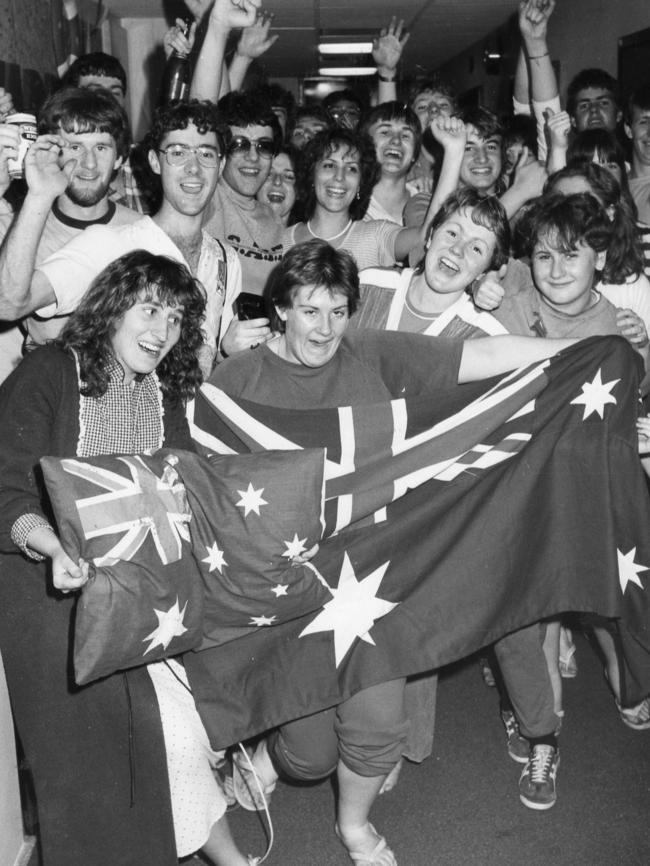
[348, 71]
[345, 47]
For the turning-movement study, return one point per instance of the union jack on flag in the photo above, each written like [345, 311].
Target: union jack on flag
[139, 506]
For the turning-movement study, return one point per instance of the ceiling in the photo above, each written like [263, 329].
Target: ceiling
[439, 29]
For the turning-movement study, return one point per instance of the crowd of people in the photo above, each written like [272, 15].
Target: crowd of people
[274, 251]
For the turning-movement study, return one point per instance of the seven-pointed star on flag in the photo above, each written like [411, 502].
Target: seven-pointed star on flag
[353, 609]
[251, 500]
[628, 569]
[294, 547]
[280, 589]
[595, 395]
[170, 625]
[215, 557]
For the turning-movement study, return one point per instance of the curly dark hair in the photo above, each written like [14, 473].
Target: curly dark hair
[624, 256]
[246, 109]
[168, 118]
[201, 113]
[133, 277]
[325, 144]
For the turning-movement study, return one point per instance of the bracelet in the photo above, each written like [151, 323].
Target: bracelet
[538, 56]
[383, 78]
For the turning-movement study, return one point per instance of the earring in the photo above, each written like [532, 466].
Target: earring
[358, 195]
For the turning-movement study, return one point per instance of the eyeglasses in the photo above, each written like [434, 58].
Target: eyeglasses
[179, 154]
[265, 147]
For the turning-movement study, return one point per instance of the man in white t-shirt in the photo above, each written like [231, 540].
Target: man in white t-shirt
[83, 139]
[185, 151]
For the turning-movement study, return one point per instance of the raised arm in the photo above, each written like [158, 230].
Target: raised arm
[253, 43]
[386, 52]
[544, 93]
[22, 290]
[492, 356]
[225, 15]
[452, 135]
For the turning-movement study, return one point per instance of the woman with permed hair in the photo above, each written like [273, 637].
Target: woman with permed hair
[337, 172]
[121, 768]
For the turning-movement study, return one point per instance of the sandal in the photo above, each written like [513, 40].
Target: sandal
[381, 854]
[250, 791]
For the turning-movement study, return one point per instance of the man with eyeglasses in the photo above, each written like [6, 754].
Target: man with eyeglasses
[185, 148]
[83, 138]
[252, 137]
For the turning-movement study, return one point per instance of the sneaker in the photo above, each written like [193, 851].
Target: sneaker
[518, 746]
[537, 782]
[638, 717]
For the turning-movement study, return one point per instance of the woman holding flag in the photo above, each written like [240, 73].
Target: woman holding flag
[313, 363]
[122, 767]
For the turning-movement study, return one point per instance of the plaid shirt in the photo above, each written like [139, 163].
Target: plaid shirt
[125, 190]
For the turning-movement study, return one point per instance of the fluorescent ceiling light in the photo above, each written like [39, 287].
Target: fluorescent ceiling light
[345, 71]
[345, 47]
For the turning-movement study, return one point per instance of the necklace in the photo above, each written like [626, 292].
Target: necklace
[333, 238]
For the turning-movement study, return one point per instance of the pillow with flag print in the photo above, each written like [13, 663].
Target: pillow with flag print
[127, 516]
[252, 515]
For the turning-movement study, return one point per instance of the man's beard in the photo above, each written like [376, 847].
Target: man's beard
[86, 196]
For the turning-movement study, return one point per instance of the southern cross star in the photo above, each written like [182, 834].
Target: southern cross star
[215, 557]
[170, 625]
[353, 609]
[595, 395]
[251, 500]
[628, 569]
[294, 547]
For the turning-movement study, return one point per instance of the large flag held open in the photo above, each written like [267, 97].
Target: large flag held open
[444, 523]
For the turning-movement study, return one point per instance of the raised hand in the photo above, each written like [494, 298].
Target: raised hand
[450, 132]
[231, 14]
[533, 18]
[45, 175]
[176, 40]
[557, 128]
[255, 39]
[388, 46]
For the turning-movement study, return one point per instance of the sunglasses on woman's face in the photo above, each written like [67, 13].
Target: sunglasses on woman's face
[265, 147]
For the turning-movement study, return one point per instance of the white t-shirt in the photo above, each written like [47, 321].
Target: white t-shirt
[71, 269]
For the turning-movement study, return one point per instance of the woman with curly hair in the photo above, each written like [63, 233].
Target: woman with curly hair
[121, 768]
[337, 173]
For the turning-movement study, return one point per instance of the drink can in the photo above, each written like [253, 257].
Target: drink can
[28, 133]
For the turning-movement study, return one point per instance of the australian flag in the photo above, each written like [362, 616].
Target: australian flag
[449, 521]
[443, 522]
